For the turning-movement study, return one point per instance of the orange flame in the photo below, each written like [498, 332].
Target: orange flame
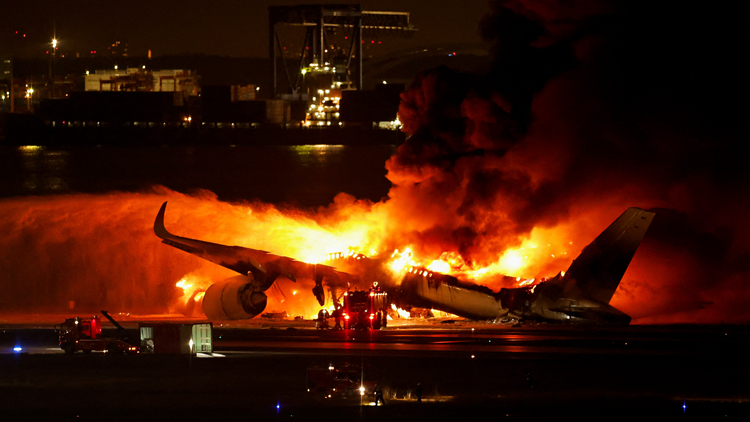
[401, 313]
[402, 259]
[193, 287]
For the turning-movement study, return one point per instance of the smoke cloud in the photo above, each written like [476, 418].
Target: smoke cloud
[591, 107]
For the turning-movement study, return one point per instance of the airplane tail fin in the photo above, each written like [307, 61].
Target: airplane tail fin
[601, 265]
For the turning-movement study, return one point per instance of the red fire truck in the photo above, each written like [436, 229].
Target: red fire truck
[365, 309]
[86, 335]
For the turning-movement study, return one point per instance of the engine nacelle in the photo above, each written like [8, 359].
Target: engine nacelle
[233, 298]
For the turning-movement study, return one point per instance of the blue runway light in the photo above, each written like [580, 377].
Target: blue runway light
[278, 406]
[17, 349]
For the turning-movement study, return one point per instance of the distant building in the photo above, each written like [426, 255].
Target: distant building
[243, 92]
[6, 67]
[134, 79]
[104, 109]
[377, 108]
[118, 49]
[6, 76]
[233, 106]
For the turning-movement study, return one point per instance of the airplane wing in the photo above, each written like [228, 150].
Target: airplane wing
[236, 258]
[264, 266]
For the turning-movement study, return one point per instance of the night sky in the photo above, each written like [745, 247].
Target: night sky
[220, 27]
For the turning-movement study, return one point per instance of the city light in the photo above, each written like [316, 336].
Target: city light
[54, 43]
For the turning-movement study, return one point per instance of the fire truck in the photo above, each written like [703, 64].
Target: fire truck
[86, 335]
[365, 309]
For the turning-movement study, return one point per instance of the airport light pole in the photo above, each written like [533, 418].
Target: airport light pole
[52, 58]
[54, 55]
[29, 93]
[362, 387]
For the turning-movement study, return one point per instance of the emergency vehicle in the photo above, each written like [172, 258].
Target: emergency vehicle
[365, 309]
[86, 335]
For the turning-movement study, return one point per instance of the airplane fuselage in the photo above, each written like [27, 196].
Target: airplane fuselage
[545, 302]
[540, 302]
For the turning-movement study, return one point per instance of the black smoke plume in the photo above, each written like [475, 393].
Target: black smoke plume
[592, 107]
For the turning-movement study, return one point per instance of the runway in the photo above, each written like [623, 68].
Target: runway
[468, 370]
[490, 341]
[434, 338]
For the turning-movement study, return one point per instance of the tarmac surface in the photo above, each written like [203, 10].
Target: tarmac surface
[469, 371]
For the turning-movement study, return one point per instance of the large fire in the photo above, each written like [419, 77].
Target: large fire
[146, 276]
[307, 238]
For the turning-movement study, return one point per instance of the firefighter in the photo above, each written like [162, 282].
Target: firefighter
[418, 391]
[322, 322]
[378, 395]
[337, 317]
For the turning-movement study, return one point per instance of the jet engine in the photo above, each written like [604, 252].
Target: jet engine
[233, 298]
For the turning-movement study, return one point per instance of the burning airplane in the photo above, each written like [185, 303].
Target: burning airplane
[580, 294]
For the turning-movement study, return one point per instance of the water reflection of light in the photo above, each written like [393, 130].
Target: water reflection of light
[30, 149]
[43, 169]
[56, 183]
[315, 149]
[316, 153]
[33, 183]
[30, 183]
